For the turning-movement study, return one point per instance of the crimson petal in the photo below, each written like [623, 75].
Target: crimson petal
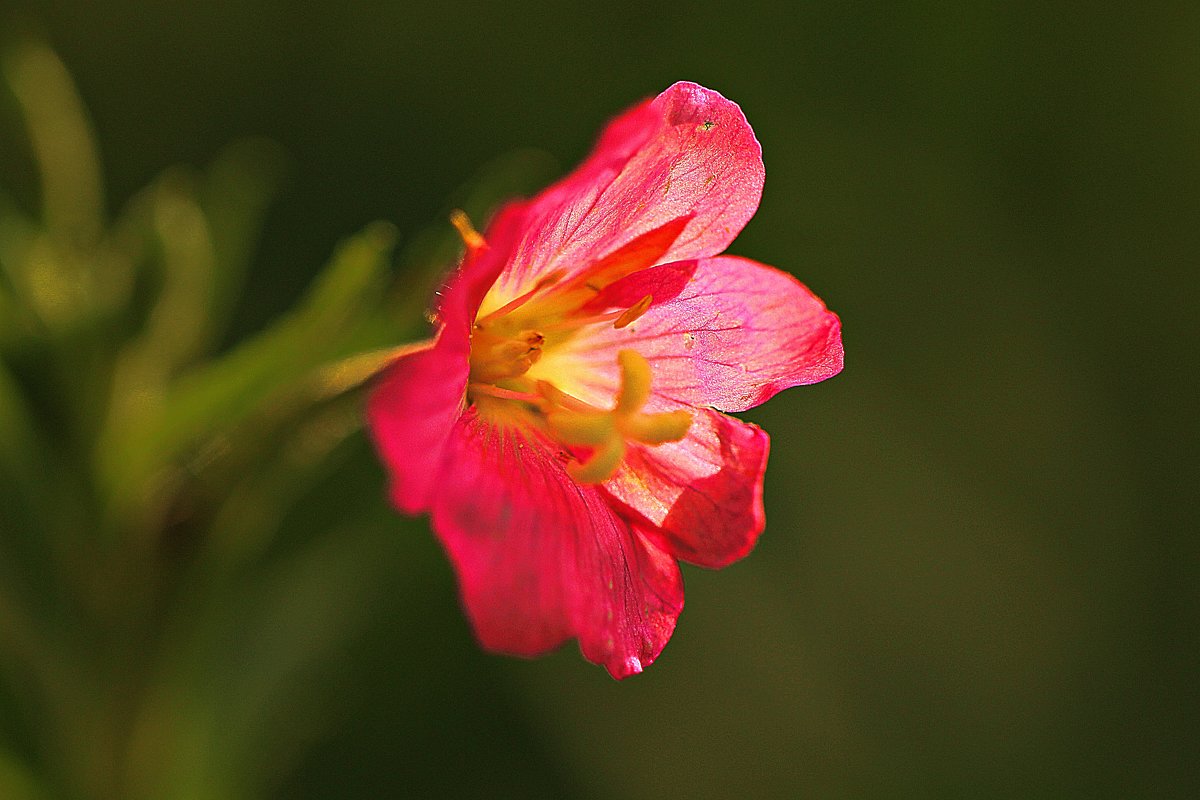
[701, 497]
[541, 558]
[687, 153]
[725, 332]
[418, 398]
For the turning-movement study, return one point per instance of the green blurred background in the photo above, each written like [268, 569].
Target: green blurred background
[979, 574]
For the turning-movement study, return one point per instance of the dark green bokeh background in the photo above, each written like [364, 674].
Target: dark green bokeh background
[979, 573]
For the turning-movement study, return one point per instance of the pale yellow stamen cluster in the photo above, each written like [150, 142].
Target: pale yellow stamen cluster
[498, 357]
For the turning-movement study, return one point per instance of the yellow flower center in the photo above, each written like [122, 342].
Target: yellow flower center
[507, 342]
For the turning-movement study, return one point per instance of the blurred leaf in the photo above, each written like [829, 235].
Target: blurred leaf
[17, 782]
[72, 191]
[28, 646]
[175, 328]
[212, 400]
[212, 720]
[52, 269]
[17, 236]
[179, 321]
[305, 611]
[233, 386]
[18, 445]
[252, 512]
[334, 379]
[236, 190]
[127, 245]
[8, 310]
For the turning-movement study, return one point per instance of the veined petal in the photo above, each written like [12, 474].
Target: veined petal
[700, 497]
[411, 413]
[540, 558]
[418, 398]
[725, 332]
[688, 153]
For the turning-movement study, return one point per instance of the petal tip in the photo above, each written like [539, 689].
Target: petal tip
[689, 102]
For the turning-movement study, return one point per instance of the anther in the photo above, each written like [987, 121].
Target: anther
[633, 312]
[471, 237]
[498, 358]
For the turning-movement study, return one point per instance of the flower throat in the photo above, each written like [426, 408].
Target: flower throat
[508, 342]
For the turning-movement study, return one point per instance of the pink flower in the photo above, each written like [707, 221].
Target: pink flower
[561, 431]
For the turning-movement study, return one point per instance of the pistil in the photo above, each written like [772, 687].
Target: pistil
[607, 433]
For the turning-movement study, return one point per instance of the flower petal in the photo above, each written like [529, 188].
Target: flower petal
[726, 332]
[540, 558]
[701, 497]
[411, 413]
[689, 153]
[420, 395]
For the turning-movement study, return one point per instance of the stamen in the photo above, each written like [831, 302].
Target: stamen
[601, 464]
[471, 237]
[635, 382]
[619, 318]
[633, 312]
[548, 279]
[599, 438]
[496, 358]
[574, 323]
[669, 426]
[505, 394]
[558, 397]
